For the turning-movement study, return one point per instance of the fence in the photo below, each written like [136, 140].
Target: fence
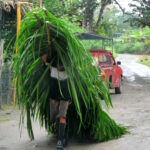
[7, 29]
[6, 85]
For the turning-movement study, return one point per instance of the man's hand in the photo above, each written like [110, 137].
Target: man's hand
[60, 68]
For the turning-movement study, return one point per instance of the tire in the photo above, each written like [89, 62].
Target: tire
[118, 89]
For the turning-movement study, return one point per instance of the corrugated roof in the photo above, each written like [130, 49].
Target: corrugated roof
[91, 36]
[24, 8]
[4, 1]
[11, 2]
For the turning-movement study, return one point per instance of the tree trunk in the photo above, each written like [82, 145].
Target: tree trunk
[89, 14]
[84, 24]
[1, 64]
[100, 15]
[119, 6]
[90, 22]
[41, 1]
[104, 3]
[63, 3]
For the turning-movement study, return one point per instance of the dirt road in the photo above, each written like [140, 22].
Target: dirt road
[131, 108]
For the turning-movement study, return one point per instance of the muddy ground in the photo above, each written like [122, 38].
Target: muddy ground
[131, 108]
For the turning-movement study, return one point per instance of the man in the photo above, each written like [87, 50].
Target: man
[86, 118]
[60, 97]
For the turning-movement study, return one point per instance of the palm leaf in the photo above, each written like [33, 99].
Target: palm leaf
[85, 114]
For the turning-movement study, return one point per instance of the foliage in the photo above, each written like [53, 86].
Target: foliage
[74, 27]
[140, 13]
[94, 44]
[106, 28]
[10, 107]
[113, 22]
[79, 11]
[103, 4]
[72, 10]
[4, 118]
[10, 35]
[55, 7]
[85, 115]
[88, 17]
[145, 60]
[136, 41]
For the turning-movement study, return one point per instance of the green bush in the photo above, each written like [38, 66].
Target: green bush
[133, 48]
[135, 41]
[144, 60]
[123, 48]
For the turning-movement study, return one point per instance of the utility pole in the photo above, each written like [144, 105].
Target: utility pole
[18, 28]
[1, 22]
[1, 64]
[1, 51]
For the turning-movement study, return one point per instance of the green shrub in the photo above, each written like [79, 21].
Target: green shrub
[144, 60]
[133, 48]
[123, 48]
[135, 41]
[4, 118]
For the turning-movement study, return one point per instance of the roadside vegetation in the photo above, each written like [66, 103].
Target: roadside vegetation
[135, 41]
[11, 106]
[4, 108]
[130, 29]
[145, 60]
[4, 118]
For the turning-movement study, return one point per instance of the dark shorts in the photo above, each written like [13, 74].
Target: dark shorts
[59, 89]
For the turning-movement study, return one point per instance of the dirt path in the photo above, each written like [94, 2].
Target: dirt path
[131, 108]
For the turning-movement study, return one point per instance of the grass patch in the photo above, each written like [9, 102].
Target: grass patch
[4, 118]
[145, 60]
[11, 106]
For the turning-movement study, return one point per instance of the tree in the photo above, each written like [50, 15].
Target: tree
[81, 11]
[41, 2]
[140, 13]
[89, 8]
[112, 23]
[104, 3]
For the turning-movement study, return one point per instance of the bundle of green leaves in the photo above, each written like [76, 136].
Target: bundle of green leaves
[42, 33]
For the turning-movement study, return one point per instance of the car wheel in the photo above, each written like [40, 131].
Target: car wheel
[118, 89]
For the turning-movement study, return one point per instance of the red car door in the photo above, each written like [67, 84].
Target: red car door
[116, 73]
[106, 65]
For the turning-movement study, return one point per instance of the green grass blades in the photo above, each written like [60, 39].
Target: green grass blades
[85, 115]
[4, 118]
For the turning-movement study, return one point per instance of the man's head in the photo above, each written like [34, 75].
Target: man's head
[44, 57]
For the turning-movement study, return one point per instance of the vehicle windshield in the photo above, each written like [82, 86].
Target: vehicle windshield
[103, 59]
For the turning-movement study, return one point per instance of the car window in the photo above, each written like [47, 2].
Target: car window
[102, 58]
[105, 60]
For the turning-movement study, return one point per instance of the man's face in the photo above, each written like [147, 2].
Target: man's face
[44, 57]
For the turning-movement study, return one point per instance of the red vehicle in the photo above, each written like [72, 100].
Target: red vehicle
[109, 67]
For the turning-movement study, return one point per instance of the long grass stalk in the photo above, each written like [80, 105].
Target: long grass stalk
[85, 117]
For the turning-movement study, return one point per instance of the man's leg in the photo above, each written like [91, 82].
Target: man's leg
[54, 110]
[63, 107]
